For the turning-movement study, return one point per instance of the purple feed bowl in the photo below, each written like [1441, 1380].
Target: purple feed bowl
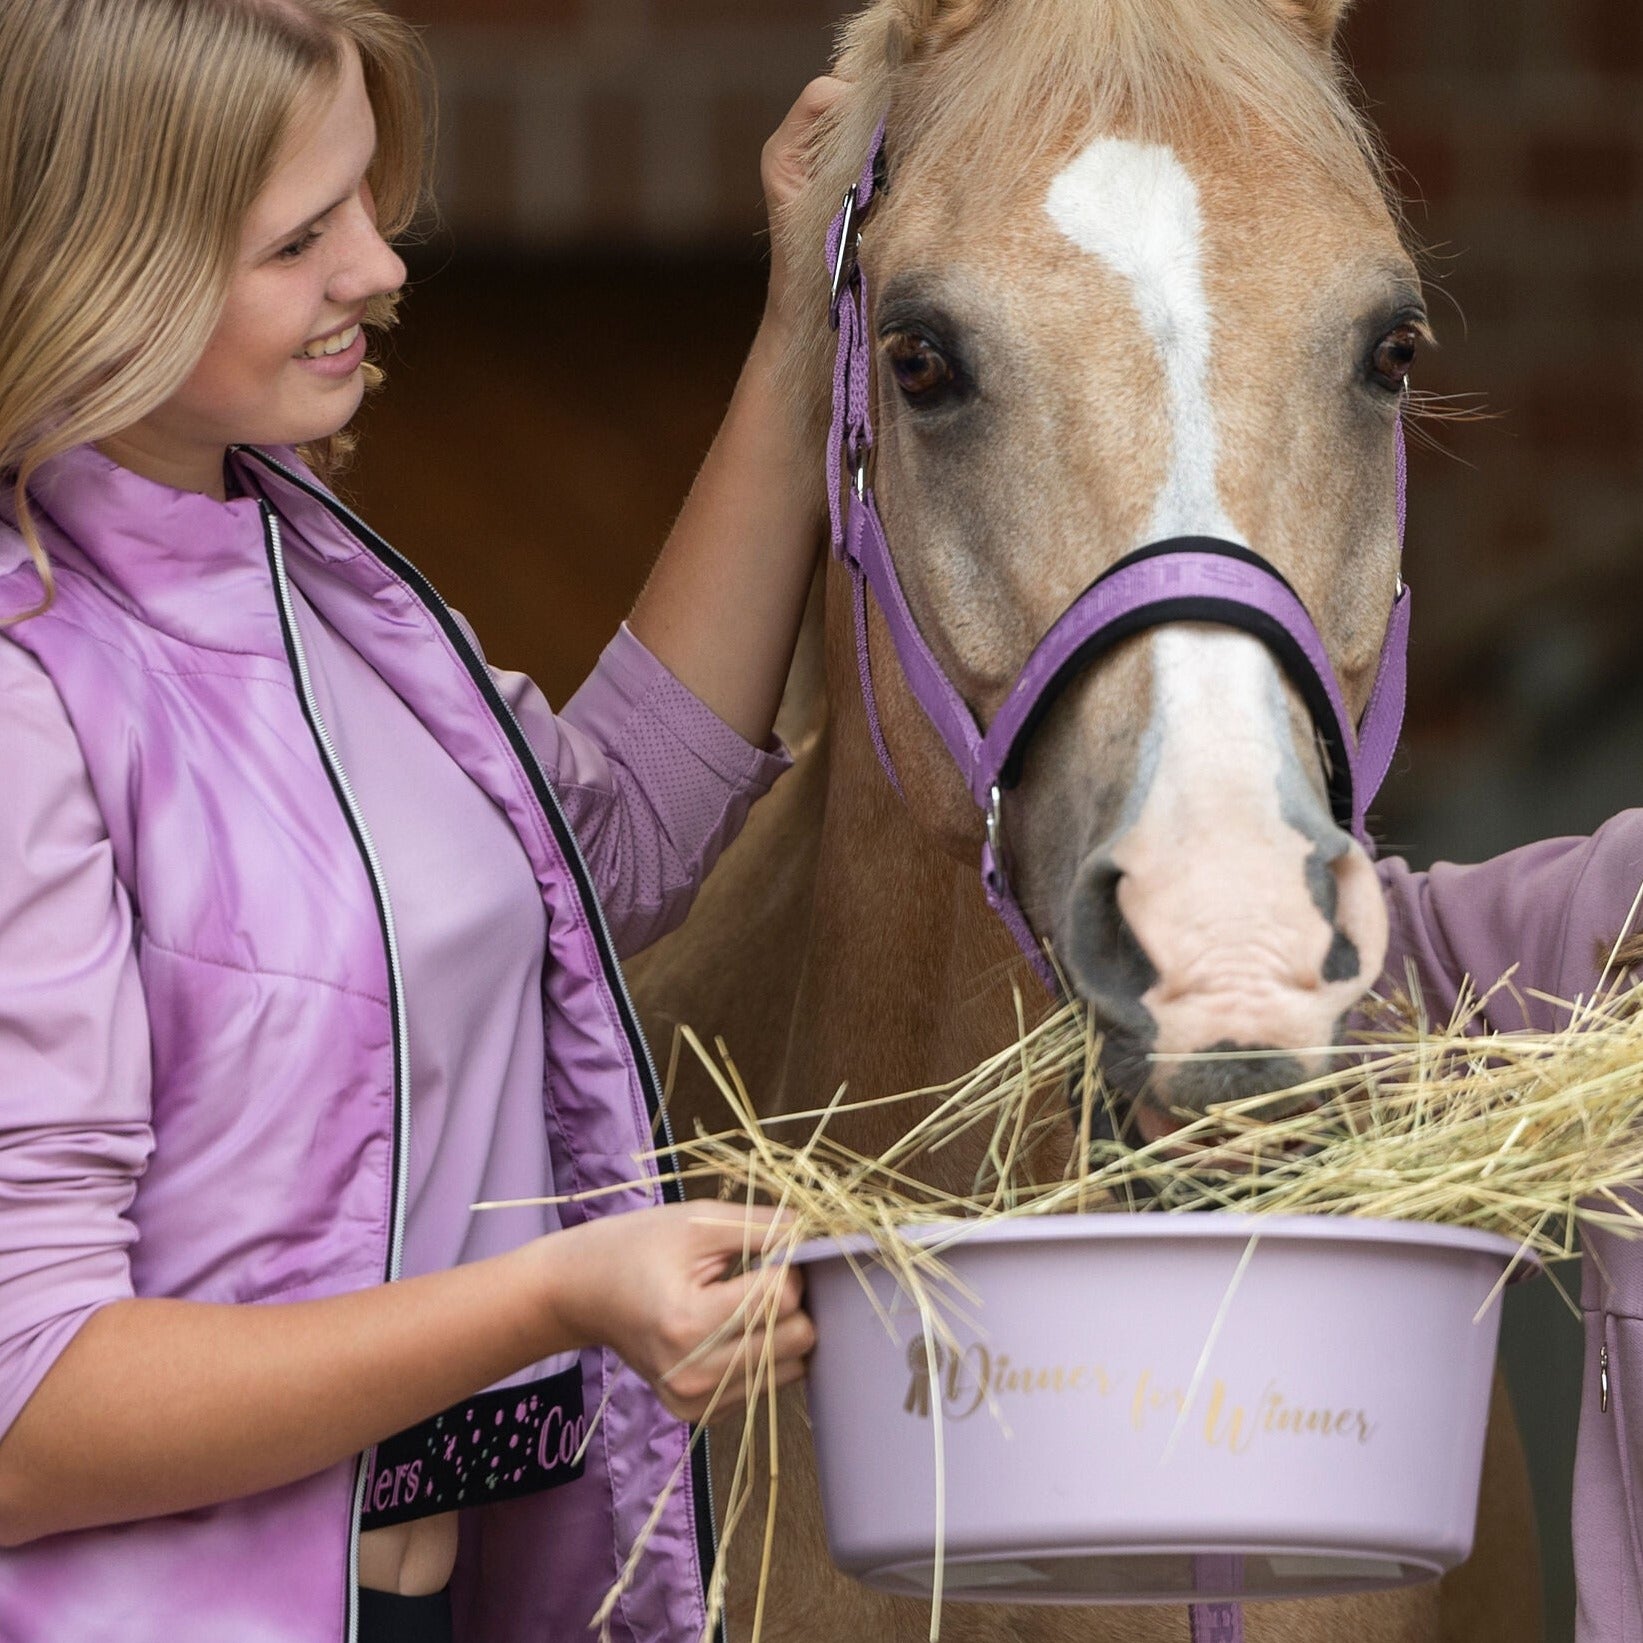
[1147, 1408]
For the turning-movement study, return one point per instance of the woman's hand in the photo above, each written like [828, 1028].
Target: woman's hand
[671, 1291]
[785, 169]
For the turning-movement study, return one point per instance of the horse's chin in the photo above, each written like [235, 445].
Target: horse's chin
[1154, 1098]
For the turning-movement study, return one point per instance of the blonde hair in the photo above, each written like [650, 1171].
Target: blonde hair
[135, 136]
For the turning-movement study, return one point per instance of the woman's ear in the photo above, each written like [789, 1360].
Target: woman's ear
[1318, 20]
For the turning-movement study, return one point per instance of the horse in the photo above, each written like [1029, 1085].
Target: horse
[1134, 276]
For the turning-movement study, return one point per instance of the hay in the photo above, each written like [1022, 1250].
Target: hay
[1527, 1135]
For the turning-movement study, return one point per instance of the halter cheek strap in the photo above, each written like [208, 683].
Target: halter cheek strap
[1197, 579]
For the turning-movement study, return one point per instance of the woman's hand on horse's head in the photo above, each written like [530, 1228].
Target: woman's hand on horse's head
[786, 166]
[678, 1293]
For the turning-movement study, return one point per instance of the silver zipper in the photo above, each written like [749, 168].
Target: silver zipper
[567, 835]
[1603, 1379]
[402, 1046]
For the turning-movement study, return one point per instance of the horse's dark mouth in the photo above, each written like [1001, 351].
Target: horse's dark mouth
[1186, 1089]
[1114, 1119]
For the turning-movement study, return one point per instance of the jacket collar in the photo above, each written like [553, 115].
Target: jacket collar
[184, 563]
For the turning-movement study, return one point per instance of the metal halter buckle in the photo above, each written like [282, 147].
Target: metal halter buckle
[844, 264]
[995, 831]
[861, 470]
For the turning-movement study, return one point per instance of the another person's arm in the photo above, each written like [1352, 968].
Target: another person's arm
[1548, 913]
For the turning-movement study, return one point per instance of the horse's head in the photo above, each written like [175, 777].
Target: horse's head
[1134, 277]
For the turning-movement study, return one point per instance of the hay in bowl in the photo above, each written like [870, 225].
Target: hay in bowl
[1526, 1137]
[1529, 1136]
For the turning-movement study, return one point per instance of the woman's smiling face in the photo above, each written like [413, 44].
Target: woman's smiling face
[283, 365]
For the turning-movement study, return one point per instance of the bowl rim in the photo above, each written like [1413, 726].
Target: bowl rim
[1225, 1226]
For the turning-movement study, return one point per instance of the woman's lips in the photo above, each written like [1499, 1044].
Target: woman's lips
[349, 345]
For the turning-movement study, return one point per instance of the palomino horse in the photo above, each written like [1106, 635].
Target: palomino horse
[1134, 277]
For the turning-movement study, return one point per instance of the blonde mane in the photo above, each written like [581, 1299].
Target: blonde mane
[989, 83]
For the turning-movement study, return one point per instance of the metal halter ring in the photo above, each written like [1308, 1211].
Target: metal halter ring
[844, 264]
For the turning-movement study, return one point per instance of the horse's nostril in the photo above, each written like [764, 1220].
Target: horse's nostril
[1341, 962]
[1320, 881]
[1357, 917]
[1107, 963]
[1324, 875]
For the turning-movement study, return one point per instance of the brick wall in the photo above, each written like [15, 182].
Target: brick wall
[614, 122]
[574, 126]
[1521, 124]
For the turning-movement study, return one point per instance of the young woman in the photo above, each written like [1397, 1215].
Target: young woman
[309, 920]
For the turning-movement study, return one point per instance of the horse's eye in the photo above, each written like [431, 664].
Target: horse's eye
[1394, 357]
[922, 372]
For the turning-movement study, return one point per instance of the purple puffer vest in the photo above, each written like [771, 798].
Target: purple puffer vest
[275, 1057]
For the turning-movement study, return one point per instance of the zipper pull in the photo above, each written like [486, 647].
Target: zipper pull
[1603, 1379]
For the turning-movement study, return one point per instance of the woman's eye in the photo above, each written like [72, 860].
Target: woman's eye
[1394, 357]
[921, 370]
[290, 253]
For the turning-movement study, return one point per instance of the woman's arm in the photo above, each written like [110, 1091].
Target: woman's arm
[723, 604]
[162, 1406]
[652, 780]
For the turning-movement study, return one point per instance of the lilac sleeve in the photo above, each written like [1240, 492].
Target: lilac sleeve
[1553, 910]
[654, 783]
[74, 1052]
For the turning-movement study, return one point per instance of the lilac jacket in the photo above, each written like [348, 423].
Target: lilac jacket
[201, 1059]
[1553, 910]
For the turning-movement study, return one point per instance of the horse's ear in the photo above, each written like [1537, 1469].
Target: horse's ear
[1318, 19]
[918, 27]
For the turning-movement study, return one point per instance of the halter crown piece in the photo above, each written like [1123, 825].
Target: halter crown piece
[1185, 579]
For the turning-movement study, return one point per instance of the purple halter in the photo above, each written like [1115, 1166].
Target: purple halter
[1187, 579]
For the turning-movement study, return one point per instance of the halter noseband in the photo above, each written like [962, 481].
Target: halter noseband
[1185, 579]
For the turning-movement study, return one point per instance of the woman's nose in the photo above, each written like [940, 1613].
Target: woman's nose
[371, 268]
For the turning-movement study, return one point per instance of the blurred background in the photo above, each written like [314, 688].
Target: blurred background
[578, 321]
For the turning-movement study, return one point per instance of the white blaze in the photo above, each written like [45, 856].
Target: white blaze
[1214, 874]
[1135, 206]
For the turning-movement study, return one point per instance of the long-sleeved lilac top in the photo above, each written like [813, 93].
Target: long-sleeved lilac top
[472, 937]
